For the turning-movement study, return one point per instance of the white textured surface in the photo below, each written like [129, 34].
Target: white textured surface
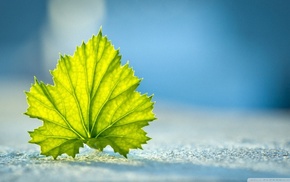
[188, 144]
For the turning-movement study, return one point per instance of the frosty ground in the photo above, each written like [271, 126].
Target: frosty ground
[187, 144]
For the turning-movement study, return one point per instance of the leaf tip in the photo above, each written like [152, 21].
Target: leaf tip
[35, 79]
[100, 33]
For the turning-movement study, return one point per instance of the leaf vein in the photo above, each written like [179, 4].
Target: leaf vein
[75, 98]
[95, 119]
[126, 114]
[46, 92]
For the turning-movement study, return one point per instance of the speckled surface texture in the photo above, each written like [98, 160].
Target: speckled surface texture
[189, 144]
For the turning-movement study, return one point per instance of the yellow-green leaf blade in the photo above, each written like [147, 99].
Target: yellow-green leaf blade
[124, 129]
[56, 140]
[93, 100]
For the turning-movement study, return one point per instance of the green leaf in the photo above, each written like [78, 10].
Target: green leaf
[93, 101]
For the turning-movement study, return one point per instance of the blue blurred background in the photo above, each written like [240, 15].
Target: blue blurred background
[205, 53]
